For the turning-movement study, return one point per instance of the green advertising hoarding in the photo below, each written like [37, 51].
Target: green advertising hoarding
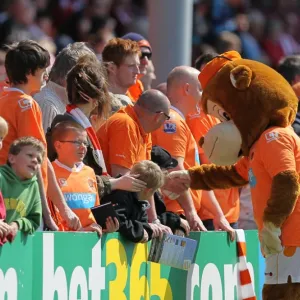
[73, 266]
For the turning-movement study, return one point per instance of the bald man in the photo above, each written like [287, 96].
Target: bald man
[125, 137]
[184, 92]
[162, 87]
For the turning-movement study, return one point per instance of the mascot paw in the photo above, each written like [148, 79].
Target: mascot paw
[176, 183]
[270, 239]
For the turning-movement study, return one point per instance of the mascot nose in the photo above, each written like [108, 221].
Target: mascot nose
[222, 144]
[201, 142]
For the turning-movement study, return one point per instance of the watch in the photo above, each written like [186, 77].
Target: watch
[156, 221]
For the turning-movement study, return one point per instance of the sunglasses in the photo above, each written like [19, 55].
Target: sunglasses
[146, 54]
[161, 112]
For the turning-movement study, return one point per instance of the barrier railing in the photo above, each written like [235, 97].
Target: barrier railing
[71, 266]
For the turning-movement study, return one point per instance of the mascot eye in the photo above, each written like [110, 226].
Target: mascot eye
[224, 114]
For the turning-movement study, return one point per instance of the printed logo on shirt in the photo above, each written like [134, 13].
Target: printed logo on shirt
[91, 184]
[272, 136]
[25, 104]
[169, 127]
[252, 178]
[62, 182]
[80, 200]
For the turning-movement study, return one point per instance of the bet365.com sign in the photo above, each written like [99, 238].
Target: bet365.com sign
[73, 266]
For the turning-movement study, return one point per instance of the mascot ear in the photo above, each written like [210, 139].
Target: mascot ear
[240, 77]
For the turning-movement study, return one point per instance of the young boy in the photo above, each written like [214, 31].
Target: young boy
[178, 225]
[76, 180]
[4, 228]
[25, 64]
[131, 207]
[19, 186]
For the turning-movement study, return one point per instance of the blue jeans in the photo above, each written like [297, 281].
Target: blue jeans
[209, 225]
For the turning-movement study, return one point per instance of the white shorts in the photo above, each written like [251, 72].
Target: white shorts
[279, 267]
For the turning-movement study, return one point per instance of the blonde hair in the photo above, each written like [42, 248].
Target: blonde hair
[3, 128]
[150, 173]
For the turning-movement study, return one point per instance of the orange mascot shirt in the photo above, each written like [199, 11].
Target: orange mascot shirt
[176, 137]
[277, 150]
[200, 124]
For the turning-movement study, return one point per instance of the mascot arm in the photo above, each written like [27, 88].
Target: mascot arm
[210, 177]
[284, 194]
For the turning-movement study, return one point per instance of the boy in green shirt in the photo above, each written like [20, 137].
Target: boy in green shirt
[19, 186]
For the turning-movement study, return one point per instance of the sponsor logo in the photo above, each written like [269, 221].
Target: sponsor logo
[272, 136]
[80, 200]
[62, 182]
[169, 127]
[25, 104]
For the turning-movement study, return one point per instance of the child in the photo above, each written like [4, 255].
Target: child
[131, 207]
[19, 186]
[25, 64]
[4, 228]
[76, 180]
[178, 225]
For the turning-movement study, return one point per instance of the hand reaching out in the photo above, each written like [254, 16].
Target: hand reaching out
[129, 183]
[177, 182]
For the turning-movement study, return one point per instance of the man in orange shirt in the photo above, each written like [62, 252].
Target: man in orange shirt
[184, 92]
[137, 89]
[26, 64]
[122, 58]
[199, 124]
[125, 137]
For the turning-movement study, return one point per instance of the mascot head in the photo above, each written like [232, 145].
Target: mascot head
[248, 97]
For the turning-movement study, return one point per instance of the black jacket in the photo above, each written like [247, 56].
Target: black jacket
[132, 214]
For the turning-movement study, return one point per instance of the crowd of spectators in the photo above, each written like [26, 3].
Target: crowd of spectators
[262, 30]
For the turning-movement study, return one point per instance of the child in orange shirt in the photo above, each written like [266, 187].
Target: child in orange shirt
[76, 180]
[25, 64]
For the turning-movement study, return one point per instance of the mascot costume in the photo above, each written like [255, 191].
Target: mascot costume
[254, 144]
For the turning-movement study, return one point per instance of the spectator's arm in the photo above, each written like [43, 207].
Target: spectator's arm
[185, 200]
[58, 200]
[118, 170]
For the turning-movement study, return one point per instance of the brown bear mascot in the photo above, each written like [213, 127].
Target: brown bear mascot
[254, 144]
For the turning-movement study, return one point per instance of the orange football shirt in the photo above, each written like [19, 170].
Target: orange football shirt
[176, 137]
[135, 91]
[123, 140]
[24, 118]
